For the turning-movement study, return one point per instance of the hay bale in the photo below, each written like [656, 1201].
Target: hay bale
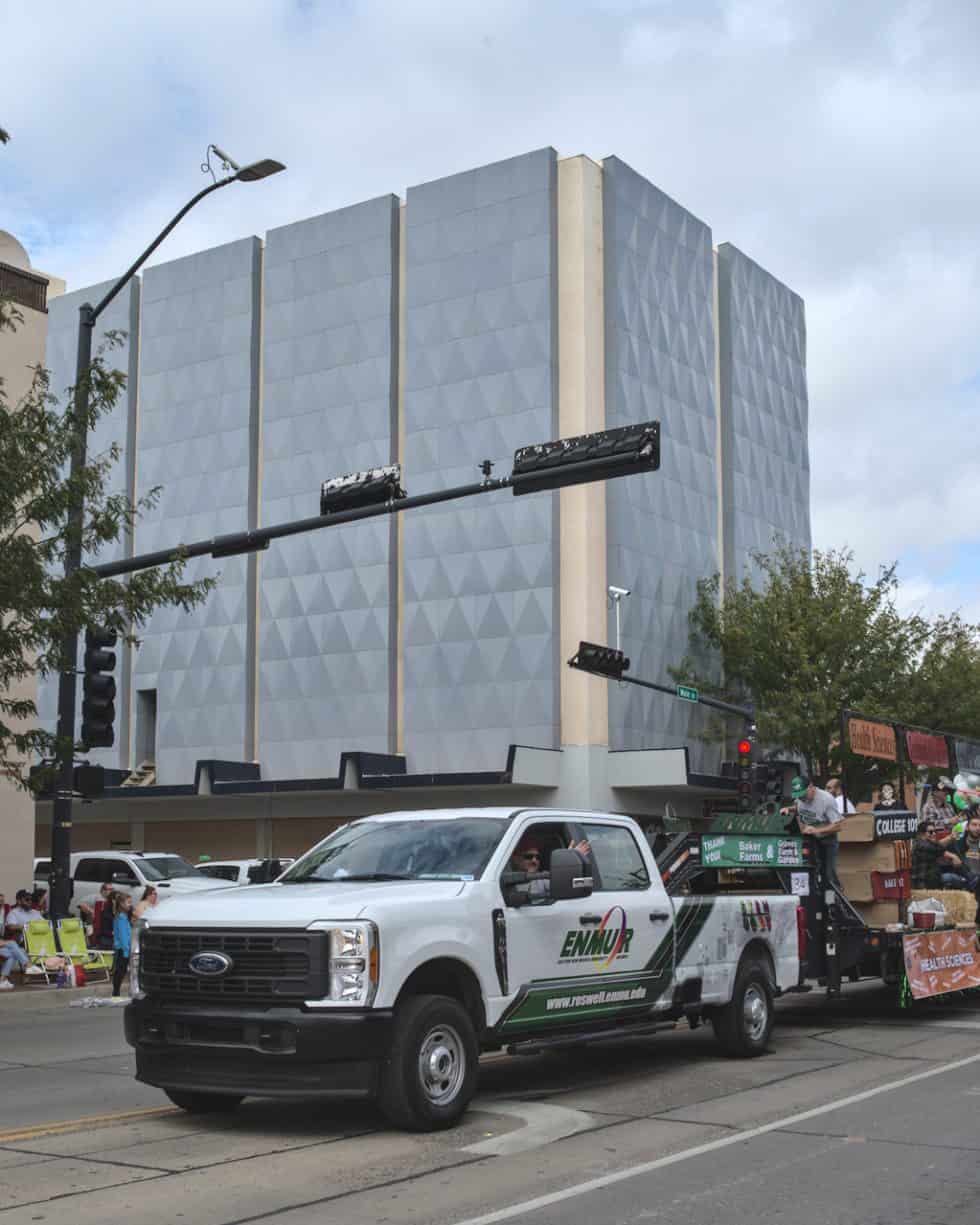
[959, 904]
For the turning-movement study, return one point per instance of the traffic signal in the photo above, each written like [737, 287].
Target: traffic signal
[767, 786]
[605, 661]
[99, 688]
[744, 774]
[589, 457]
[774, 786]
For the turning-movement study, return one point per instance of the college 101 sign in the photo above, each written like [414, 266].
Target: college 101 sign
[892, 826]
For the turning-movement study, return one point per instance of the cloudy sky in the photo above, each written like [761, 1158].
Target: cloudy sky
[836, 142]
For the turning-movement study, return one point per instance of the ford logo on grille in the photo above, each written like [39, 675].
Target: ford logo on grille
[210, 965]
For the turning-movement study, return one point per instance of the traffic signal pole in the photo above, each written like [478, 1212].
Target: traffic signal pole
[58, 882]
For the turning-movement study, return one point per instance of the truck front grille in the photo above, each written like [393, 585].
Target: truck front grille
[269, 965]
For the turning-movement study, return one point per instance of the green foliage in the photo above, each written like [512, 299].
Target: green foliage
[809, 635]
[39, 606]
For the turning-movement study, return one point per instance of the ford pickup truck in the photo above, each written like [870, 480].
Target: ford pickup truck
[388, 957]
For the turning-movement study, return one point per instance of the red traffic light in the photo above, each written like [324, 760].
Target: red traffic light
[745, 748]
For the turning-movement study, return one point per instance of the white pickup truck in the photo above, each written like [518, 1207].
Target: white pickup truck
[389, 956]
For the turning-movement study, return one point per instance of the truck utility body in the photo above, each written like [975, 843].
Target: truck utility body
[836, 941]
[385, 959]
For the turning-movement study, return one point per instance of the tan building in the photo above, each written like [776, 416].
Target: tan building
[29, 291]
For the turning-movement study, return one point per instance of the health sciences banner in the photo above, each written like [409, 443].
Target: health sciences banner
[872, 739]
[927, 750]
[937, 962]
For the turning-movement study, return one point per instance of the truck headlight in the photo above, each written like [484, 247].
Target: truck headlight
[134, 959]
[354, 963]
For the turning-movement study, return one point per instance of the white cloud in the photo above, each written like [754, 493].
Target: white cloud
[832, 142]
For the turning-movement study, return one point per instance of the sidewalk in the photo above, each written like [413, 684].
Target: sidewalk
[41, 998]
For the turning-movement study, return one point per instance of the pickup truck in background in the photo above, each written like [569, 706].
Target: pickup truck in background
[395, 951]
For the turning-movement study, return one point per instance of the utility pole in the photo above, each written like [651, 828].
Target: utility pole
[61, 824]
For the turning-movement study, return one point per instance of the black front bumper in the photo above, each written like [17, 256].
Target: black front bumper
[278, 1051]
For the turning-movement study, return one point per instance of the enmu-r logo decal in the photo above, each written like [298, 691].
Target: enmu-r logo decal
[611, 939]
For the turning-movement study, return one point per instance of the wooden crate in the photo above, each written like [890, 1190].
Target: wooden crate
[866, 857]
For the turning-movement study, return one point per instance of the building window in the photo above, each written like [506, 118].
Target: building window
[24, 288]
[146, 726]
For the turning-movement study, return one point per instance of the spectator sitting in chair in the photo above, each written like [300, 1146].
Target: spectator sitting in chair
[21, 914]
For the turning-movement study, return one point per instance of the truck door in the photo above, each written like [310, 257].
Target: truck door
[583, 960]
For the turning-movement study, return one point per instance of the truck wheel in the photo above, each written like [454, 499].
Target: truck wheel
[744, 1026]
[204, 1103]
[430, 1074]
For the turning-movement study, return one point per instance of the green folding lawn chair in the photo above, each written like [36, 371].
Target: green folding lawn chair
[40, 947]
[71, 937]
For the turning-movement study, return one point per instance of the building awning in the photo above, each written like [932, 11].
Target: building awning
[653, 770]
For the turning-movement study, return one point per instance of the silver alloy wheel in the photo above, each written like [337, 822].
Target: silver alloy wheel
[755, 1012]
[442, 1064]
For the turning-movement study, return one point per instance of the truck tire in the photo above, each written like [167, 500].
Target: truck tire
[430, 1074]
[204, 1103]
[744, 1026]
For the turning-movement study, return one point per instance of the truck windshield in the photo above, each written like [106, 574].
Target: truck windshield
[166, 867]
[454, 849]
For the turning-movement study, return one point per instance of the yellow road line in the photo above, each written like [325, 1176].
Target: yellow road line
[94, 1120]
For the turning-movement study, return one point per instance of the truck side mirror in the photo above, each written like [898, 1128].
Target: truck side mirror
[570, 878]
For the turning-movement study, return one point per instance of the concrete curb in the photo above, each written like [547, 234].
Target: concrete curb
[48, 999]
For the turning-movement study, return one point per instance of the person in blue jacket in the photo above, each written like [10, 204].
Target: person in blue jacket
[121, 939]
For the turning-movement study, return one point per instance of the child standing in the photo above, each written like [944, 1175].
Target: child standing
[121, 939]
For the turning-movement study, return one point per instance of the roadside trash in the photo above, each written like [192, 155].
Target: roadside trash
[99, 1001]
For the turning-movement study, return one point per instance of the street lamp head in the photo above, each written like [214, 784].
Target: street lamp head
[259, 170]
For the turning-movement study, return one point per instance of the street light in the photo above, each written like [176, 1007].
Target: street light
[88, 314]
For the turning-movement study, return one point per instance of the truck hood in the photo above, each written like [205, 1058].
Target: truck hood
[189, 884]
[299, 905]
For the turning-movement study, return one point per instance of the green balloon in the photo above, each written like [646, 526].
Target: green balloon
[960, 801]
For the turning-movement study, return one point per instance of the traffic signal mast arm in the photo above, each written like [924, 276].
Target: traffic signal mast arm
[756, 783]
[365, 495]
[590, 657]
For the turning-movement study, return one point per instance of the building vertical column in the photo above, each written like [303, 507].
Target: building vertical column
[723, 438]
[254, 485]
[581, 410]
[396, 624]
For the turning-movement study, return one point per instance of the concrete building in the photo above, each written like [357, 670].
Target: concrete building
[421, 658]
[20, 351]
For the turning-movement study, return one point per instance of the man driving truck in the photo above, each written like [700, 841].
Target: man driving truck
[527, 858]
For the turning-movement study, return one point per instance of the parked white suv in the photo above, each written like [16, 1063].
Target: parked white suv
[130, 872]
[244, 871]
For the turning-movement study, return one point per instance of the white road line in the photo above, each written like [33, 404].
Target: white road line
[647, 1167]
[543, 1125]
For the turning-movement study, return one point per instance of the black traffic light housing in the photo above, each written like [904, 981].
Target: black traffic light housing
[99, 688]
[744, 772]
[601, 660]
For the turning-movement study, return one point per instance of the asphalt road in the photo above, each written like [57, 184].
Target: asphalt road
[861, 1112]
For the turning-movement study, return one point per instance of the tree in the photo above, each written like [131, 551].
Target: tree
[804, 640]
[945, 687]
[38, 605]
